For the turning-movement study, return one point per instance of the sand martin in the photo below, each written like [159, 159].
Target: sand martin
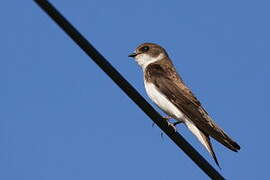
[168, 91]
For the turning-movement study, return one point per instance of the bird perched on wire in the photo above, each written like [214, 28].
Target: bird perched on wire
[168, 91]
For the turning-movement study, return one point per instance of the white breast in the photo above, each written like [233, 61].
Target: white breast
[162, 102]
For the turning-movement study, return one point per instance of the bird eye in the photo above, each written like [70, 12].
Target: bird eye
[144, 48]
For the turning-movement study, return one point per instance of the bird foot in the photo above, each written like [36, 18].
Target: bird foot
[177, 122]
[172, 125]
[167, 118]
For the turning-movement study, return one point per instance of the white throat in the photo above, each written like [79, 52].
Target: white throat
[144, 59]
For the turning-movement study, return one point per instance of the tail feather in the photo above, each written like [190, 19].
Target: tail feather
[219, 135]
[213, 130]
[207, 139]
[203, 138]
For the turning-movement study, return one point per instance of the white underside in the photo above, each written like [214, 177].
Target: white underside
[164, 104]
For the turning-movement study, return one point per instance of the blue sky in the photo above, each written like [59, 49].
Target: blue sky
[63, 118]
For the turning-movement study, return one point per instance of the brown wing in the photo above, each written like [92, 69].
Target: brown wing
[183, 98]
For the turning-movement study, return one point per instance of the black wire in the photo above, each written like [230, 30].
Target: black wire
[128, 89]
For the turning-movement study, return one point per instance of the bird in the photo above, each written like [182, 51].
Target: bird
[167, 90]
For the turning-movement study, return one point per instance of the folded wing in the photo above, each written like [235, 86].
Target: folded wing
[183, 99]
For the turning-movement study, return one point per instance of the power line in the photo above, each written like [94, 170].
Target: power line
[128, 89]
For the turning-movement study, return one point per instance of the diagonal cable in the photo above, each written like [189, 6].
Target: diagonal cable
[128, 89]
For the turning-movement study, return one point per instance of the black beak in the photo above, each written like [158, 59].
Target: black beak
[132, 55]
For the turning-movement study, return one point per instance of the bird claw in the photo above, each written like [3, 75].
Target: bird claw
[177, 122]
[172, 125]
[167, 118]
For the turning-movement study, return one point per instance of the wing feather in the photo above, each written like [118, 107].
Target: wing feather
[171, 86]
